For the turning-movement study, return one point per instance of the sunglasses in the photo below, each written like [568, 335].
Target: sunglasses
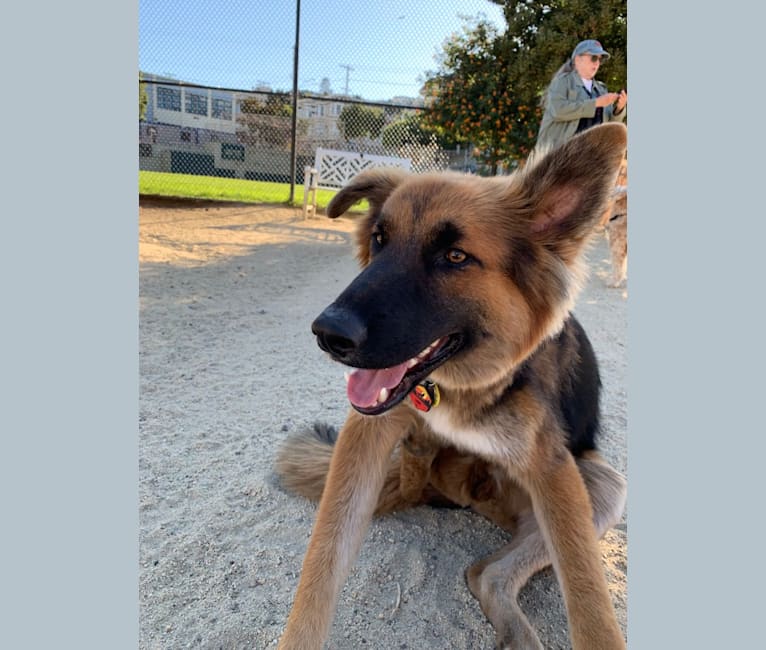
[595, 58]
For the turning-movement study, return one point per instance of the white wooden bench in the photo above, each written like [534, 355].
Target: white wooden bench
[333, 169]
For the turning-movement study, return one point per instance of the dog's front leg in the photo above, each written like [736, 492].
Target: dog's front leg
[356, 475]
[562, 507]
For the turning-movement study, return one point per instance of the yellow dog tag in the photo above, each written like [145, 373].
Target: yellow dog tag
[425, 396]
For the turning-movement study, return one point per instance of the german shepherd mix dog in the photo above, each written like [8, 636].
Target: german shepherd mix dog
[471, 382]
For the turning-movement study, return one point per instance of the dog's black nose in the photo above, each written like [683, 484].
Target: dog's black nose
[339, 332]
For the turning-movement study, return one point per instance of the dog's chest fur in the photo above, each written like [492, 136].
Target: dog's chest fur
[491, 438]
[555, 393]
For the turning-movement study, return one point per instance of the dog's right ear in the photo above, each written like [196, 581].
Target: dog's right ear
[373, 184]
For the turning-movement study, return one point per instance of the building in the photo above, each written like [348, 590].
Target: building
[195, 130]
[248, 134]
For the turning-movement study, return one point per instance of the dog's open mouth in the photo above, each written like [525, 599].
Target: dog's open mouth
[373, 392]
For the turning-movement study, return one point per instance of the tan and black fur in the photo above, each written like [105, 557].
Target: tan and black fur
[470, 282]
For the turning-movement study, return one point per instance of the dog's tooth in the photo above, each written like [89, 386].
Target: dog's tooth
[346, 375]
[382, 395]
[411, 363]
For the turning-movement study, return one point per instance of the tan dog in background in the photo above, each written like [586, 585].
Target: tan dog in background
[472, 382]
[615, 224]
[617, 236]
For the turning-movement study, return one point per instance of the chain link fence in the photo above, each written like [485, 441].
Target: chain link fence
[192, 123]
[239, 134]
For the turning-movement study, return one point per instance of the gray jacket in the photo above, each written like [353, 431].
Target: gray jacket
[567, 103]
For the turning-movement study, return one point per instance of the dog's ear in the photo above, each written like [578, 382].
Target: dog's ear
[375, 185]
[372, 184]
[566, 190]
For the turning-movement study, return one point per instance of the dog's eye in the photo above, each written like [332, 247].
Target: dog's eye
[378, 239]
[456, 256]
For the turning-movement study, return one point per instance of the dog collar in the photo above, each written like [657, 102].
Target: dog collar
[425, 395]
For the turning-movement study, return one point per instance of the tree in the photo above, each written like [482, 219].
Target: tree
[489, 85]
[408, 129]
[143, 98]
[357, 121]
[470, 97]
[266, 121]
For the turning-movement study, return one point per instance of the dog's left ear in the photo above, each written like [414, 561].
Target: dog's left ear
[568, 189]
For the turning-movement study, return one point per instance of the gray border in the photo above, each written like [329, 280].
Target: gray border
[695, 315]
[69, 473]
[70, 327]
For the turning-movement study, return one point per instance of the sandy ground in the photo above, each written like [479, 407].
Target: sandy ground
[228, 367]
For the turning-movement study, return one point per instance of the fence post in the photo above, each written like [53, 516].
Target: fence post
[310, 183]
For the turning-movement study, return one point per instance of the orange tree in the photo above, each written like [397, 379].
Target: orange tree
[471, 98]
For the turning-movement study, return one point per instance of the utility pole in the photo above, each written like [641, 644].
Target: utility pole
[348, 69]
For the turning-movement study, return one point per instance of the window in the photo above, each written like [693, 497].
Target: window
[169, 99]
[222, 109]
[232, 151]
[196, 103]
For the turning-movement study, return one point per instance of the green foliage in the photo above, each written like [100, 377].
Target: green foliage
[488, 88]
[471, 96]
[357, 121]
[274, 104]
[409, 129]
[143, 98]
[266, 121]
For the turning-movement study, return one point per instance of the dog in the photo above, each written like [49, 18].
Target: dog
[615, 227]
[470, 382]
[617, 235]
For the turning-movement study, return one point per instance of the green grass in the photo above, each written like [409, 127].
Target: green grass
[190, 186]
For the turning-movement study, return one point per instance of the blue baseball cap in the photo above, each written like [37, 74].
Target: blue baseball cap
[590, 47]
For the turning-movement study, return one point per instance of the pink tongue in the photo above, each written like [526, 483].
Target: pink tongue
[364, 385]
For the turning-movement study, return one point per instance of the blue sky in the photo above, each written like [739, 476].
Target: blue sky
[389, 44]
